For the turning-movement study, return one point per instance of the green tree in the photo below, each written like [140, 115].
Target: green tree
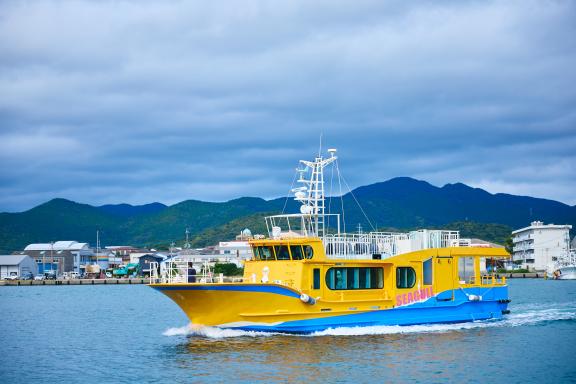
[228, 269]
[508, 244]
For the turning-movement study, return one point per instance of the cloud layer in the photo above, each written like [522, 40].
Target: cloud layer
[141, 101]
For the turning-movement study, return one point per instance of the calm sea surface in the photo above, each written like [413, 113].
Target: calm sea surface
[115, 334]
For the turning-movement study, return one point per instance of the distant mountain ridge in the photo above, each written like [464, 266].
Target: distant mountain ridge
[127, 210]
[400, 203]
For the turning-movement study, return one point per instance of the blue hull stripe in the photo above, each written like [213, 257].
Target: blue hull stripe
[242, 288]
[428, 312]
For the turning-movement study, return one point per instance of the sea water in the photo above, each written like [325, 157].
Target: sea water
[133, 334]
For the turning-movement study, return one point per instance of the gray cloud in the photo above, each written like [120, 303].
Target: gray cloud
[131, 101]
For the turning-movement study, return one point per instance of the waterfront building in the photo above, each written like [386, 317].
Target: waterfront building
[123, 254]
[237, 248]
[135, 256]
[60, 256]
[16, 264]
[144, 262]
[540, 245]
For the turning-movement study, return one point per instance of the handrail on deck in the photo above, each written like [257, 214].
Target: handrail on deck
[492, 279]
[181, 271]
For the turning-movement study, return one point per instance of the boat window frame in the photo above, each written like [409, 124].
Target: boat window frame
[308, 255]
[277, 249]
[256, 252]
[373, 276]
[467, 268]
[316, 279]
[399, 279]
[302, 257]
[269, 247]
[427, 272]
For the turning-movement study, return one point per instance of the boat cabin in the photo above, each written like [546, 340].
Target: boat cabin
[302, 264]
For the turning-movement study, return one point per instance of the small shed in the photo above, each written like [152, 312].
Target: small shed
[144, 263]
[19, 264]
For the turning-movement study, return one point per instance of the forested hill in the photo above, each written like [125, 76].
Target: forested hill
[401, 203]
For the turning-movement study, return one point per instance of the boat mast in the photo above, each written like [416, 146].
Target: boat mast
[311, 195]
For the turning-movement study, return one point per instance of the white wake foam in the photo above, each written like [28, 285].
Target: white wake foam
[212, 332]
[529, 316]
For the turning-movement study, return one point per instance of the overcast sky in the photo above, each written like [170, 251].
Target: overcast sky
[142, 101]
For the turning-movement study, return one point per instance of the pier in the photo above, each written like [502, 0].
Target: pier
[528, 275]
[108, 281]
[140, 280]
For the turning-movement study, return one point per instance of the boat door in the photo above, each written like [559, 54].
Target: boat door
[444, 277]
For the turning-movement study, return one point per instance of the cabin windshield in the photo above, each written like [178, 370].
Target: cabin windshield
[296, 251]
[266, 253]
[282, 252]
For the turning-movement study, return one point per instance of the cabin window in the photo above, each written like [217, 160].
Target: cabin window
[282, 252]
[297, 253]
[316, 279]
[355, 278]
[427, 271]
[465, 268]
[308, 252]
[256, 252]
[266, 253]
[405, 277]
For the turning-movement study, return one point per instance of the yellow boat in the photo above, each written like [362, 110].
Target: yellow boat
[303, 279]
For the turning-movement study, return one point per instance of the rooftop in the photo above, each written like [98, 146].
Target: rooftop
[57, 246]
[12, 259]
[541, 225]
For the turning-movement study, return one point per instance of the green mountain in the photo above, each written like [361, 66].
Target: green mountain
[405, 203]
[402, 203]
[58, 219]
[170, 224]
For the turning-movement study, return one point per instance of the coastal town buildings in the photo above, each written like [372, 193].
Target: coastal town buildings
[124, 254]
[16, 265]
[540, 245]
[60, 256]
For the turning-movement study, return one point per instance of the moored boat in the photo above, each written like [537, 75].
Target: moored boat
[307, 276]
[565, 267]
[567, 273]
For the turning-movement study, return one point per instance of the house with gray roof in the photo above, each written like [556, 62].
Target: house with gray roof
[19, 264]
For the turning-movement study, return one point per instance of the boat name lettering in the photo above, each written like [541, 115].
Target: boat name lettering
[414, 296]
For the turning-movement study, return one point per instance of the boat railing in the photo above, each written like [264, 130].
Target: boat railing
[381, 245]
[492, 279]
[182, 271]
[363, 245]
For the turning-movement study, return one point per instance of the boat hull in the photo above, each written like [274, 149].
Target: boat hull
[274, 308]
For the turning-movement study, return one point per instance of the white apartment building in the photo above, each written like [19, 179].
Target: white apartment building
[239, 249]
[540, 245]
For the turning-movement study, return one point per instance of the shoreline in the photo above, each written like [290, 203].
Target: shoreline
[145, 280]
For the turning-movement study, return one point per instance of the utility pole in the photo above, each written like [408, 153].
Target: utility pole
[51, 256]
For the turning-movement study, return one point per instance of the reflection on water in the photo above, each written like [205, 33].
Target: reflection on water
[328, 358]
